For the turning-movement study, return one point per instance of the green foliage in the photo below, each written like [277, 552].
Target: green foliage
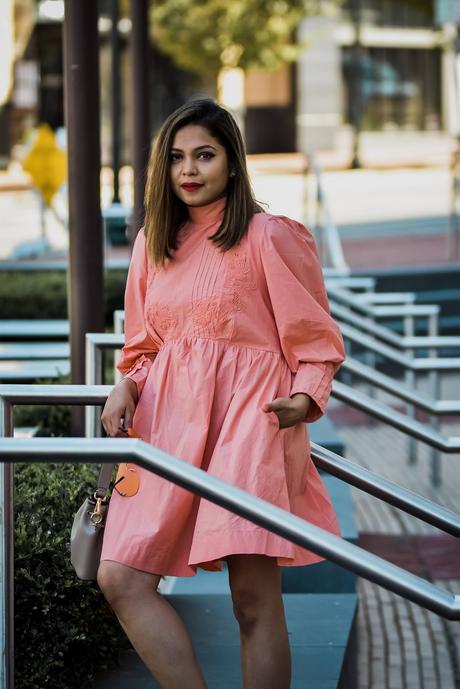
[33, 295]
[51, 420]
[205, 35]
[65, 631]
[37, 295]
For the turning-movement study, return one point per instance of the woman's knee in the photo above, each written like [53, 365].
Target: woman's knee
[118, 581]
[249, 606]
[111, 579]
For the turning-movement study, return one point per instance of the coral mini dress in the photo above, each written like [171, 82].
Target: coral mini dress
[210, 338]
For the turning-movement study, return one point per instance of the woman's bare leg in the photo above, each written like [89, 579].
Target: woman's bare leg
[255, 582]
[152, 625]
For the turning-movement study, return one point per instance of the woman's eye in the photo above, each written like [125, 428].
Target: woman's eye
[175, 157]
[206, 155]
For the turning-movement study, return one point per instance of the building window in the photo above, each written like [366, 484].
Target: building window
[398, 88]
[398, 13]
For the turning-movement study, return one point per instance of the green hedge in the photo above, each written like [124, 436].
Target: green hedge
[37, 294]
[64, 630]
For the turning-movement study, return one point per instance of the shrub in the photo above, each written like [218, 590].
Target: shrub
[65, 631]
[37, 295]
[50, 420]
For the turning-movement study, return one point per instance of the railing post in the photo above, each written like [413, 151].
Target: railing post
[6, 555]
[435, 465]
[93, 376]
[410, 378]
[119, 329]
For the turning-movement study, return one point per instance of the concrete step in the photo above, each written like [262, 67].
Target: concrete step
[14, 371]
[29, 351]
[321, 632]
[28, 329]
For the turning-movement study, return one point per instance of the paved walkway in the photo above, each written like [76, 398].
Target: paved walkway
[382, 215]
[401, 645]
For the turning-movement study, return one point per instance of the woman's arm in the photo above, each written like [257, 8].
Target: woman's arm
[138, 352]
[310, 339]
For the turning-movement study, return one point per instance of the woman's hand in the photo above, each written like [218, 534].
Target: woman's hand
[289, 410]
[118, 412]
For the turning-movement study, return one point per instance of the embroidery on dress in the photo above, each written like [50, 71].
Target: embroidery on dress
[162, 318]
[240, 279]
[239, 270]
[210, 318]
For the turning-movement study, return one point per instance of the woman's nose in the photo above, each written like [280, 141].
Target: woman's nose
[189, 166]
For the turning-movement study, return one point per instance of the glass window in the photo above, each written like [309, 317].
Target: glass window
[400, 13]
[392, 88]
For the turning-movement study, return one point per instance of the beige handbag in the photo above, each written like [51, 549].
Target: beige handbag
[87, 528]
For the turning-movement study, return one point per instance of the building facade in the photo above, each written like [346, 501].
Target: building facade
[376, 66]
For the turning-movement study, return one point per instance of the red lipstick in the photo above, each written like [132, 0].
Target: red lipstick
[191, 186]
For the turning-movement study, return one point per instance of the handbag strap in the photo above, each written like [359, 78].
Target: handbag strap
[103, 481]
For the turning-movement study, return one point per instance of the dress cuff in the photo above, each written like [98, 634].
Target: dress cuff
[139, 372]
[314, 380]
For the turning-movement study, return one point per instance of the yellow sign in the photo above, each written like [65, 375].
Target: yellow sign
[46, 163]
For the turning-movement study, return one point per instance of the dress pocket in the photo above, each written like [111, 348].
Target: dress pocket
[274, 418]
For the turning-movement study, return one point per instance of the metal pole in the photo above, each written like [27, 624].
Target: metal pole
[116, 105]
[86, 302]
[435, 377]
[7, 555]
[140, 119]
[119, 328]
[411, 382]
[260, 512]
[94, 376]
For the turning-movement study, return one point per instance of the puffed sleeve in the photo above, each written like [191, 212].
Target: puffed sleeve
[139, 350]
[310, 339]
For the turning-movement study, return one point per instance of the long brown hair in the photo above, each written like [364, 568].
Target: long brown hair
[165, 212]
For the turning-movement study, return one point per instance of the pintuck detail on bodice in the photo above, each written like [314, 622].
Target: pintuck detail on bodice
[220, 285]
[211, 337]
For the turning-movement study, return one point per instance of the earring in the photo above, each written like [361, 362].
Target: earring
[232, 174]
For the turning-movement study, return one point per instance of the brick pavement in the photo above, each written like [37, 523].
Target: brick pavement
[401, 645]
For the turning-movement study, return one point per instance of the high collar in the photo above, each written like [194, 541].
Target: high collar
[207, 215]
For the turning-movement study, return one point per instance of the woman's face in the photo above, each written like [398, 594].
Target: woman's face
[199, 166]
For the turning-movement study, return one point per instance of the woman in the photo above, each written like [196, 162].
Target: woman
[229, 350]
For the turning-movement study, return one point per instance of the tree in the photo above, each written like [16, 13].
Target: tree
[205, 36]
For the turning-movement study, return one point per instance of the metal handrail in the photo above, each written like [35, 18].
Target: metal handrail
[260, 512]
[362, 478]
[349, 299]
[108, 341]
[96, 342]
[339, 390]
[411, 363]
[119, 320]
[375, 298]
[384, 489]
[342, 313]
[119, 327]
[384, 382]
[404, 423]
[324, 221]
[349, 281]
